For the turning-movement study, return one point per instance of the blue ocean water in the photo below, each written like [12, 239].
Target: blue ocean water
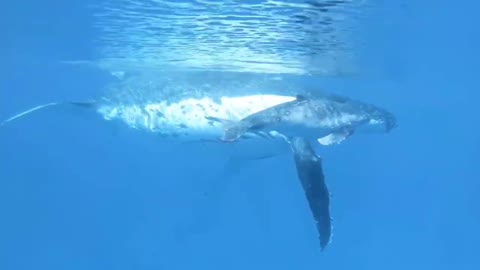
[79, 192]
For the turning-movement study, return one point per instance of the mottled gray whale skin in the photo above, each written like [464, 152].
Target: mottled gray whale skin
[327, 119]
[310, 173]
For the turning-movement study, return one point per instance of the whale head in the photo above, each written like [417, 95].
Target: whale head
[379, 121]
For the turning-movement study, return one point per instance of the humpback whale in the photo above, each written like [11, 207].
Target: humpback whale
[252, 119]
[326, 119]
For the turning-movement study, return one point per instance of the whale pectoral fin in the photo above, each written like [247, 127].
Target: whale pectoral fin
[336, 137]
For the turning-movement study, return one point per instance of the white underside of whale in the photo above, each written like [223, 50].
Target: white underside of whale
[184, 121]
[186, 118]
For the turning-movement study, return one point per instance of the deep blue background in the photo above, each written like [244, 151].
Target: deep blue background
[78, 193]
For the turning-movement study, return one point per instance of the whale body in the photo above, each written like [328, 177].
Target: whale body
[327, 119]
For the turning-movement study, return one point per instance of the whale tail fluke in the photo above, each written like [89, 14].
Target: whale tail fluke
[87, 104]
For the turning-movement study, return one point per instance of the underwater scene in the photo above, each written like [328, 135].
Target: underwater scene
[257, 134]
